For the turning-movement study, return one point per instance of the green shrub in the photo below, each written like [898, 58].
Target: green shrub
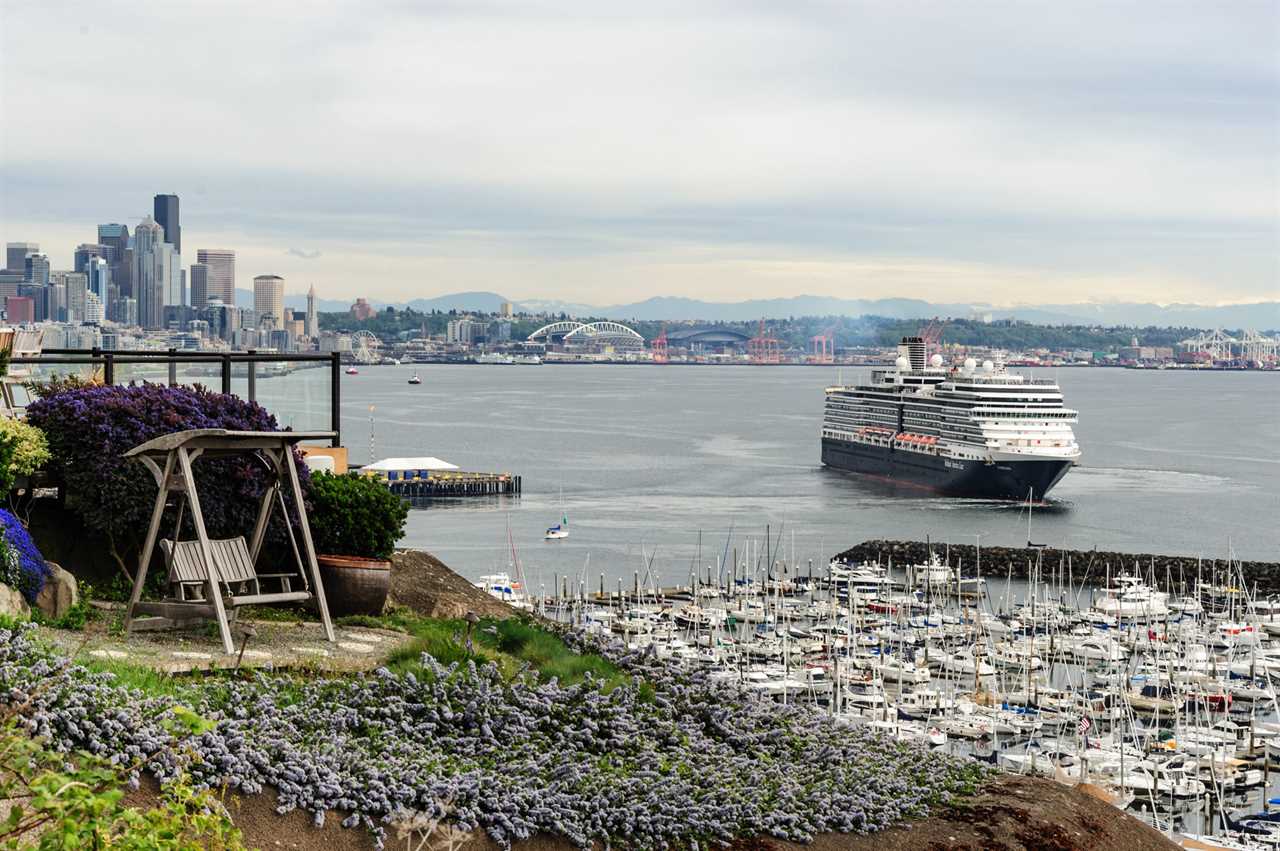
[23, 450]
[355, 515]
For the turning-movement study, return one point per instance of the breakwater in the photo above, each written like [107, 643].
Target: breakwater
[1089, 566]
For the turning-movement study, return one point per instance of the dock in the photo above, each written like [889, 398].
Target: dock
[441, 485]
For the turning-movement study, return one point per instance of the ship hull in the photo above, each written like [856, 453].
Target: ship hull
[999, 480]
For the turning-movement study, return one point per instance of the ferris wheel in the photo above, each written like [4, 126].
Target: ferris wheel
[364, 347]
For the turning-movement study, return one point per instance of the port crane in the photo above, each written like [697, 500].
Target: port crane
[762, 349]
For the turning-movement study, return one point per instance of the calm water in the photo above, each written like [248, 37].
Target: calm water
[649, 457]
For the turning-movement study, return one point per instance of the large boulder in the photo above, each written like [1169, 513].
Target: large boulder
[60, 593]
[421, 582]
[12, 603]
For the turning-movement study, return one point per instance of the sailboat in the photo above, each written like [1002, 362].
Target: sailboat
[561, 529]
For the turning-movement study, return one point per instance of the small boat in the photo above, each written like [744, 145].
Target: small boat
[351, 370]
[557, 532]
[415, 379]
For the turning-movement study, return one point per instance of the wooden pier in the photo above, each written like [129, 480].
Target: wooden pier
[446, 485]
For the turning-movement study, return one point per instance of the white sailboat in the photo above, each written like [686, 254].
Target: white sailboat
[559, 531]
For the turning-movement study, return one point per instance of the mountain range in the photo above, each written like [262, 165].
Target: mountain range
[1260, 315]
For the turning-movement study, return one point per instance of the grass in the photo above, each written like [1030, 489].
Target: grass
[512, 644]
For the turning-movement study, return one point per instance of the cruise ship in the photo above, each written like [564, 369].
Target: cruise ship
[974, 430]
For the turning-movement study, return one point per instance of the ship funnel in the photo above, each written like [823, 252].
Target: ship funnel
[913, 349]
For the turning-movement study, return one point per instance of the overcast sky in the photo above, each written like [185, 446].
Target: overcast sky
[606, 152]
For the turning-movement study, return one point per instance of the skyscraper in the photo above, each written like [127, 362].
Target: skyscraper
[36, 269]
[152, 269]
[97, 278]
[84, 251]
[15, 255]
[268, 298]
[166, 215]
[199, 285]
[115, 237]
[222, 275]
[312, 327]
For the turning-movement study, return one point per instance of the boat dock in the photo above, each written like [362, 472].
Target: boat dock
[426, 477]
[437, 485]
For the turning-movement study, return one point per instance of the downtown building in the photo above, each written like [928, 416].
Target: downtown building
[220, 280]
[157, 279]
[268, 299]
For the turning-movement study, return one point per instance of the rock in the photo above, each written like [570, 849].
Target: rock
[59, 594]
[12, 603]
[423, 583]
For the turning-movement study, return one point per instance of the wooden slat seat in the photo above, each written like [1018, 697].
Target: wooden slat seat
[241, 584]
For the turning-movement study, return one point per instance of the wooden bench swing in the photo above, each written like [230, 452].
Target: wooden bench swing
[212, 578]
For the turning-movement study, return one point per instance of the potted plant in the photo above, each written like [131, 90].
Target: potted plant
[355, 523]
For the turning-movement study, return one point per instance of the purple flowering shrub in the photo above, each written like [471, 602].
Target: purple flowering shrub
[89, 427]
[21, 565]
[682, 764]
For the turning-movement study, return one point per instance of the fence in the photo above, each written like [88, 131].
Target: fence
[108, 360]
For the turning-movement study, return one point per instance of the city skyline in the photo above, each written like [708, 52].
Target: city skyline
[1042, 154]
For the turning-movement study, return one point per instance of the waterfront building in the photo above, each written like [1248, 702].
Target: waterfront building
[312, 326]
[199, 285]
[36, 269]
[15, 255]
[20, 309]
[465, 331]
[268, 299]
[221, 275]
[166, 215]
[152, 271]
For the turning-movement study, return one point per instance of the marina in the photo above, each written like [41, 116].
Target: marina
[1163, 695]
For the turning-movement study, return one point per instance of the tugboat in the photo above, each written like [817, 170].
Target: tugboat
[415, 379]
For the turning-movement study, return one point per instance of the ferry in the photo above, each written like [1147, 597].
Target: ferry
[975, 431]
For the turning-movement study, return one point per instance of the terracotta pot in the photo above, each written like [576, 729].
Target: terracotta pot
[354, 585]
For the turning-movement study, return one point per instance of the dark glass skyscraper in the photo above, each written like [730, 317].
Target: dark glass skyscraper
[166, 215]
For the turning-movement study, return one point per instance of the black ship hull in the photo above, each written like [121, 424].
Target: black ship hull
[1000, 480]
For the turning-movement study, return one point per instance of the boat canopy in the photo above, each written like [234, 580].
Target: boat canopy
[396, 465]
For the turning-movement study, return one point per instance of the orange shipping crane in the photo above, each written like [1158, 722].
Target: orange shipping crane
[659, 347]
[824, 347]
[764, 350]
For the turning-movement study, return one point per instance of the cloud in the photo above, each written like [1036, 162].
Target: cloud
[303, 253]
[552, 149]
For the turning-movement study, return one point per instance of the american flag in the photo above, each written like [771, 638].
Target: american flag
[1084, 725]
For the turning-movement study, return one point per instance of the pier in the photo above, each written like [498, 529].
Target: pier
[456, 484]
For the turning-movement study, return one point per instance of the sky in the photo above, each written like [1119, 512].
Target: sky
[605, 152]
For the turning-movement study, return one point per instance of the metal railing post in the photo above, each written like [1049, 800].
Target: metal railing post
[173, 367]
[108, 368]
[253, 377]
[335, 397]
[226, 373]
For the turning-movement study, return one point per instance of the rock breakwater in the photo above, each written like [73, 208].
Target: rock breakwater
[1089, 566]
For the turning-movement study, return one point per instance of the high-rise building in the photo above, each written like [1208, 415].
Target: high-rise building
[199, 285]
[76, 286]
[506, 310]
[36, 269]
[166, 215]
[152, 271]
[268, 298]
[98, 282]
[15, 255]
[94, 312]
[84, 251]
[222, 275]
[115, 237]
[312, 327]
